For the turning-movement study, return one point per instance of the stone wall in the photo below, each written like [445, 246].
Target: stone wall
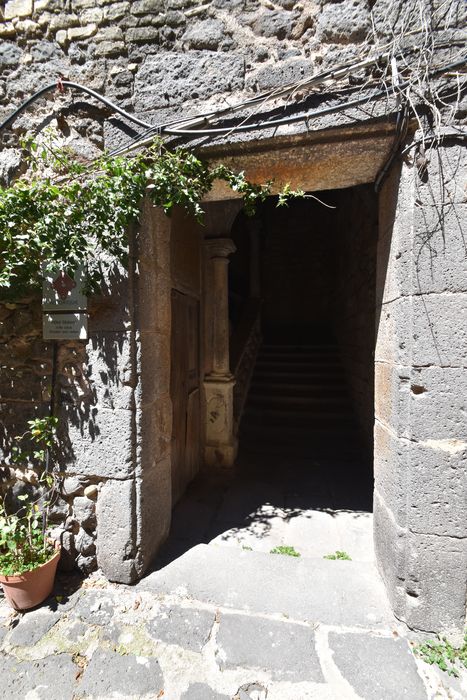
[112, 396]
[161, 58]
[166, 58]
[353, 304]
[421, 389]
[26, 364]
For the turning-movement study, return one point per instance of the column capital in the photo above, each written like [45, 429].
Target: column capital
[219, 247]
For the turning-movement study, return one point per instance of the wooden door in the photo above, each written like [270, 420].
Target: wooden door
[185, 392]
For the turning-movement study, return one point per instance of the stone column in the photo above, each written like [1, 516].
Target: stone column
[220, 442]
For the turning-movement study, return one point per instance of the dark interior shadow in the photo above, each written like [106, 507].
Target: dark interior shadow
[264, 485]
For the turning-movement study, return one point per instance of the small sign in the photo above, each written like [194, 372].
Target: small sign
[65, 326]
[63, 292]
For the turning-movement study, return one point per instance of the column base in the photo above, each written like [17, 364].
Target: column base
[220, 456]
[221, 445]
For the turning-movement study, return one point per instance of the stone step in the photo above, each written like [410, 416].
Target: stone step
[283, 356]
[264, 436]
[326, 377]
[291, 402]
[311, 448]
[298, 365]
[346, 593]
[298, 389]
[310, 419]
[269, 347]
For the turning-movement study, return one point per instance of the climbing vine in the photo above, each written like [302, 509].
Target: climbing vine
[65, 213]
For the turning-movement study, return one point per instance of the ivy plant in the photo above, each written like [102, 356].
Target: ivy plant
[64, 213]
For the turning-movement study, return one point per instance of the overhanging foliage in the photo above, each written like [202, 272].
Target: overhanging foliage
[65, 214]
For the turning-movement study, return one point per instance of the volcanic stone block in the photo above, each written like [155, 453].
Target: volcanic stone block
[343, 23]
[155, 428]
[367, 663]
[188, 628]
[284, 649]
[17, 8]
[54, 676]
[436, 583]
[116, 10]
[9, 54]
[32, 627]
[95, 608]
[101, 442]
[172, 78]
[422, 403]
[84, 543]
[201, 691]
[274, 24]
[418, 330]
[423, 483]
[144, 7]
[153, 367]
[445, 174]
[437, 488]
[110, 674]
[84, 511]
[116, 530]
[110, 369]
[79, 33]
[274, 76]
[142, 35]
[207, 34]
[153, 505]
[390, 548]
[439, 250]
[391, 471]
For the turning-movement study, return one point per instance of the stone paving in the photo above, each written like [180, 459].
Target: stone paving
[222, 618]
[316, 505]
[217, 635]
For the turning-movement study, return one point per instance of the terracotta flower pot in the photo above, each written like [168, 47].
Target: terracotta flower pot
[32, 587]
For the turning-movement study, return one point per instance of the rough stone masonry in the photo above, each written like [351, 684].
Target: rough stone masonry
[159, 59]
[167, 58]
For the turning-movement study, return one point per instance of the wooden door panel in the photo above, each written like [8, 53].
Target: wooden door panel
[184, 391]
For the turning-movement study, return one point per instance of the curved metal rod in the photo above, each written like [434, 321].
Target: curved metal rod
[74, 86]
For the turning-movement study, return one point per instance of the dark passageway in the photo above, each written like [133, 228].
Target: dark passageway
[303, 475]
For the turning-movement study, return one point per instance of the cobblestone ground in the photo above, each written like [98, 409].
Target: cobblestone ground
[112, 641]
[221, 617]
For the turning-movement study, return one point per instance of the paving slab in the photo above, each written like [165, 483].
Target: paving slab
[261, 533]
[377, 668]
[284, 649]
[331, 592]
[52, 678]
[32, 627]
[95, 607]
[75, 630]
[110, 674]
[201, 691]
[186, 627]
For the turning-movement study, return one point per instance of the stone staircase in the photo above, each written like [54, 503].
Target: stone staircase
[298, 402]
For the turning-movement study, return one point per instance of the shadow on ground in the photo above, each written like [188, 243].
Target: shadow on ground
[316, 505]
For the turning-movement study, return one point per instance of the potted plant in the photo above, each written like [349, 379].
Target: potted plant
[28, 556]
